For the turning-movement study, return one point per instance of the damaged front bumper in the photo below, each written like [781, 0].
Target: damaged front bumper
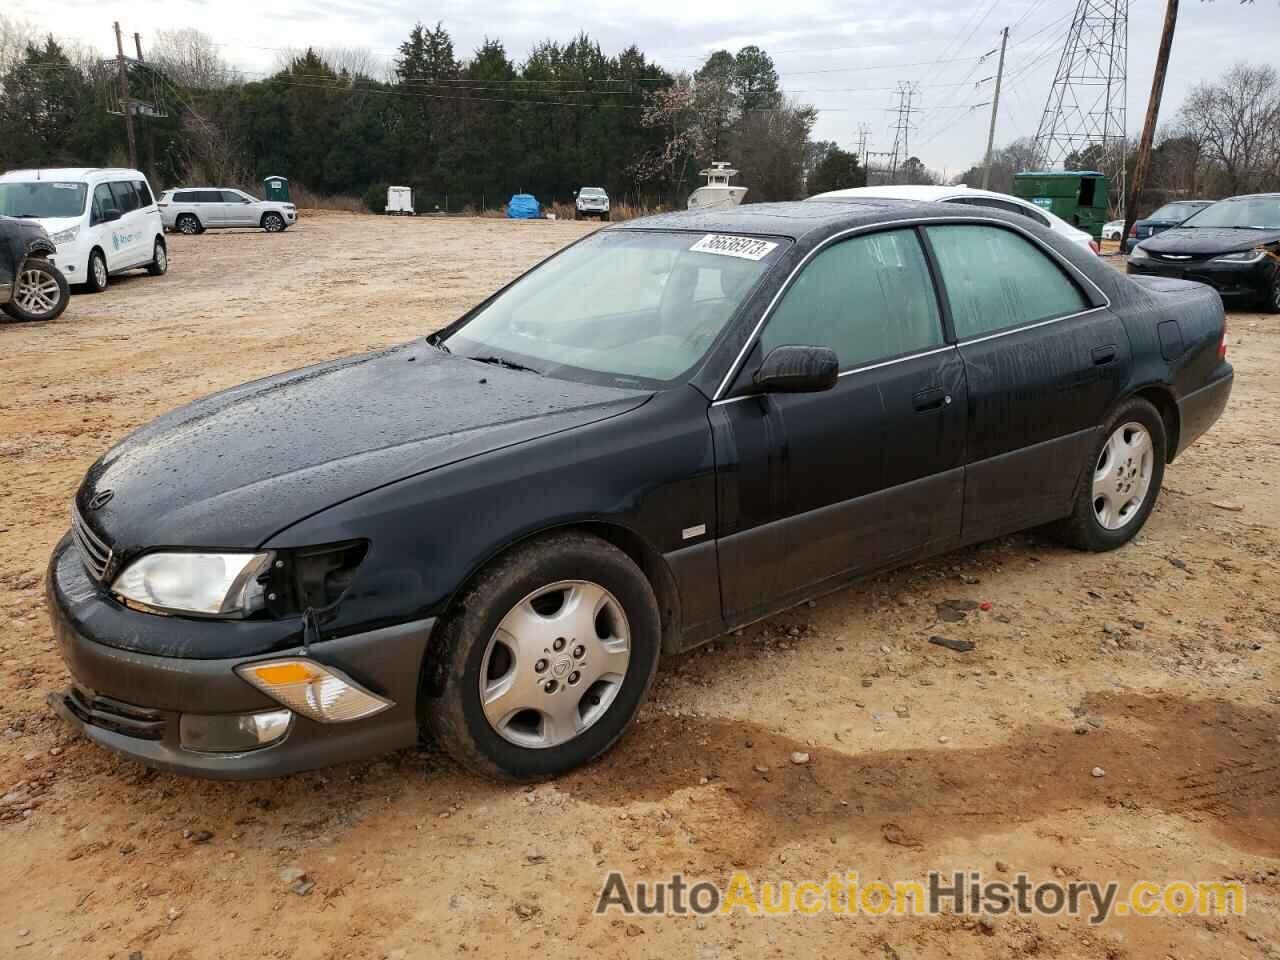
[167, 711]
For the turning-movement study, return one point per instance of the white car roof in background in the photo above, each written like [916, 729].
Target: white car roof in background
[71, 173]
[927, 192]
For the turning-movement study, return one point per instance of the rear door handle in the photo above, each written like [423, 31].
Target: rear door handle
[935, 398]
[1104, 355]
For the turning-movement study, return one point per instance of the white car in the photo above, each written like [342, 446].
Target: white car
[973, 197]
[103, 220]
[591, 202]
[1112, 229]
[197, 209]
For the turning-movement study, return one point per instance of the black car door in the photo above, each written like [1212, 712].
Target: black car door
[818, 487]
[1044, 361]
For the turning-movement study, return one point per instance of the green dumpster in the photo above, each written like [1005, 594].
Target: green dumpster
[276, 188]
[1080, 197]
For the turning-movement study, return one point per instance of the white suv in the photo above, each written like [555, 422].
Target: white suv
[591, 202]
[197, 209]
[103, 220]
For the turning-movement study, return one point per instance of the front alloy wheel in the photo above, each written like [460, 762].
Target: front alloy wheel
[40, 292]
[273, 223]
[543, 660]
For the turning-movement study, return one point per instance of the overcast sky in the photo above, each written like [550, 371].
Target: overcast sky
[843, 57]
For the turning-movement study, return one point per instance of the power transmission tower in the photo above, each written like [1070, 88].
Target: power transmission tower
[1086, 104]
[864, 135]
[907, 92]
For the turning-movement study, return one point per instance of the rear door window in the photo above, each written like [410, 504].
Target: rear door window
[868, 298]
[186, 196]
[996, 279]
[208, 196]
[125, 198]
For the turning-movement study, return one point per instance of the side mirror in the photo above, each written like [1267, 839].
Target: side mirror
[796, 369]
[112, 215]
[575, 193]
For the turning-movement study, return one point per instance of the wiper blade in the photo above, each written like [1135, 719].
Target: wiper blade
[504, 362]
[438, 344]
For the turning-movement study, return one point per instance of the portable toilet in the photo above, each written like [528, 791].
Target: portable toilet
[1080, 197]
[276, 188]
[400, 201]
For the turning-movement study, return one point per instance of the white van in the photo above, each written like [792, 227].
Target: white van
[103, 221]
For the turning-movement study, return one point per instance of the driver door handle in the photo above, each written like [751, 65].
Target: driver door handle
[935, 398]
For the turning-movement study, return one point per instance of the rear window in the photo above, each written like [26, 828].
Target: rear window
[144, 193]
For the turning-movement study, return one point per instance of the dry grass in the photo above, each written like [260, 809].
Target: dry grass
[306, 199]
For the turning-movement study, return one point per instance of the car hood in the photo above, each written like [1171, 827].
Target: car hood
[1208, 241]
[234, 468]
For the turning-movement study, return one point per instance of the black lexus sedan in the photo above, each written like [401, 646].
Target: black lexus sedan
[1233, 246]
[672, 428]
[1163, 218]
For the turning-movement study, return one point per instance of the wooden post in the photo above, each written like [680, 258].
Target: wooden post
[1143, 159]
[995, 105]
[125, 102]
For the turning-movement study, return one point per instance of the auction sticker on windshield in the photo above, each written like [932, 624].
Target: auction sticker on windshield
[747, 248]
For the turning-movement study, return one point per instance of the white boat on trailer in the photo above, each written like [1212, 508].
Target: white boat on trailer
[718, 193]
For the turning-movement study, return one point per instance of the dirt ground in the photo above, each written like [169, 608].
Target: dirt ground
[1159, 663]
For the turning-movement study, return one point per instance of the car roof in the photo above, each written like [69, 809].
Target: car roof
[795, 219]
[70, 173]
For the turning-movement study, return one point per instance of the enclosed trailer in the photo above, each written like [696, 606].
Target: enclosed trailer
[400, 201]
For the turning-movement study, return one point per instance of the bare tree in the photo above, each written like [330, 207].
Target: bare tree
[190, 59]
[1236, 124]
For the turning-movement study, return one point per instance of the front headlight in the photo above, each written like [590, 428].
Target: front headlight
[1137, 253]
[66, 236]
[208, 584]
[1243, 256]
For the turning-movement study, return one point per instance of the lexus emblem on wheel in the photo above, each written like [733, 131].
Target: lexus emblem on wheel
[101, 499]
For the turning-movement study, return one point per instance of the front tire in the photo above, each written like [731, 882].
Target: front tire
[98, 278]
[545, 659]
[40, 292]
[1271, 299]
[1121, 481]
[273, 223]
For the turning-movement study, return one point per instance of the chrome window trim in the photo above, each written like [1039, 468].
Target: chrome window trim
[911, 222]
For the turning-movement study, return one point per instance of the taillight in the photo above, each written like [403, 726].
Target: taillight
[1222, 341]
[1093, 245]
[1133, 231]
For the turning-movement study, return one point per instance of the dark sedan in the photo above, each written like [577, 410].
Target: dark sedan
[1233, 246]
[31, 287]
[1162, 218]
[672, 428]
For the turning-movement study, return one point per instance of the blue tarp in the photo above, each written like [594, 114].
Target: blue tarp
[523, 206]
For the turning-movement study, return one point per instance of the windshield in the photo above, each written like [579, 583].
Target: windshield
[591, 192]
[42, 199]
[1246, 213]
[620, 306]
[1176, 211]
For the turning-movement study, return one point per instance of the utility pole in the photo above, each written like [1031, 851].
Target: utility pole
[995, 106]
[137, 44]
[125, 103]
[1143, 158]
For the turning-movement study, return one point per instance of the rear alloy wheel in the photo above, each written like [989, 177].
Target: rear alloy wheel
[40, 292]
[545, 661]
[273, 223]
[1119, 490]
[98, 277]
[188, 224]
[159, 264]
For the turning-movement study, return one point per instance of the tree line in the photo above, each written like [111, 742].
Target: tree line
[475, 129]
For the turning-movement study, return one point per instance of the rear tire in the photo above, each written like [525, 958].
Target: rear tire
[97, 277]
[545, 659]
[1121, 481]
[40, 292]
[159, 264]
